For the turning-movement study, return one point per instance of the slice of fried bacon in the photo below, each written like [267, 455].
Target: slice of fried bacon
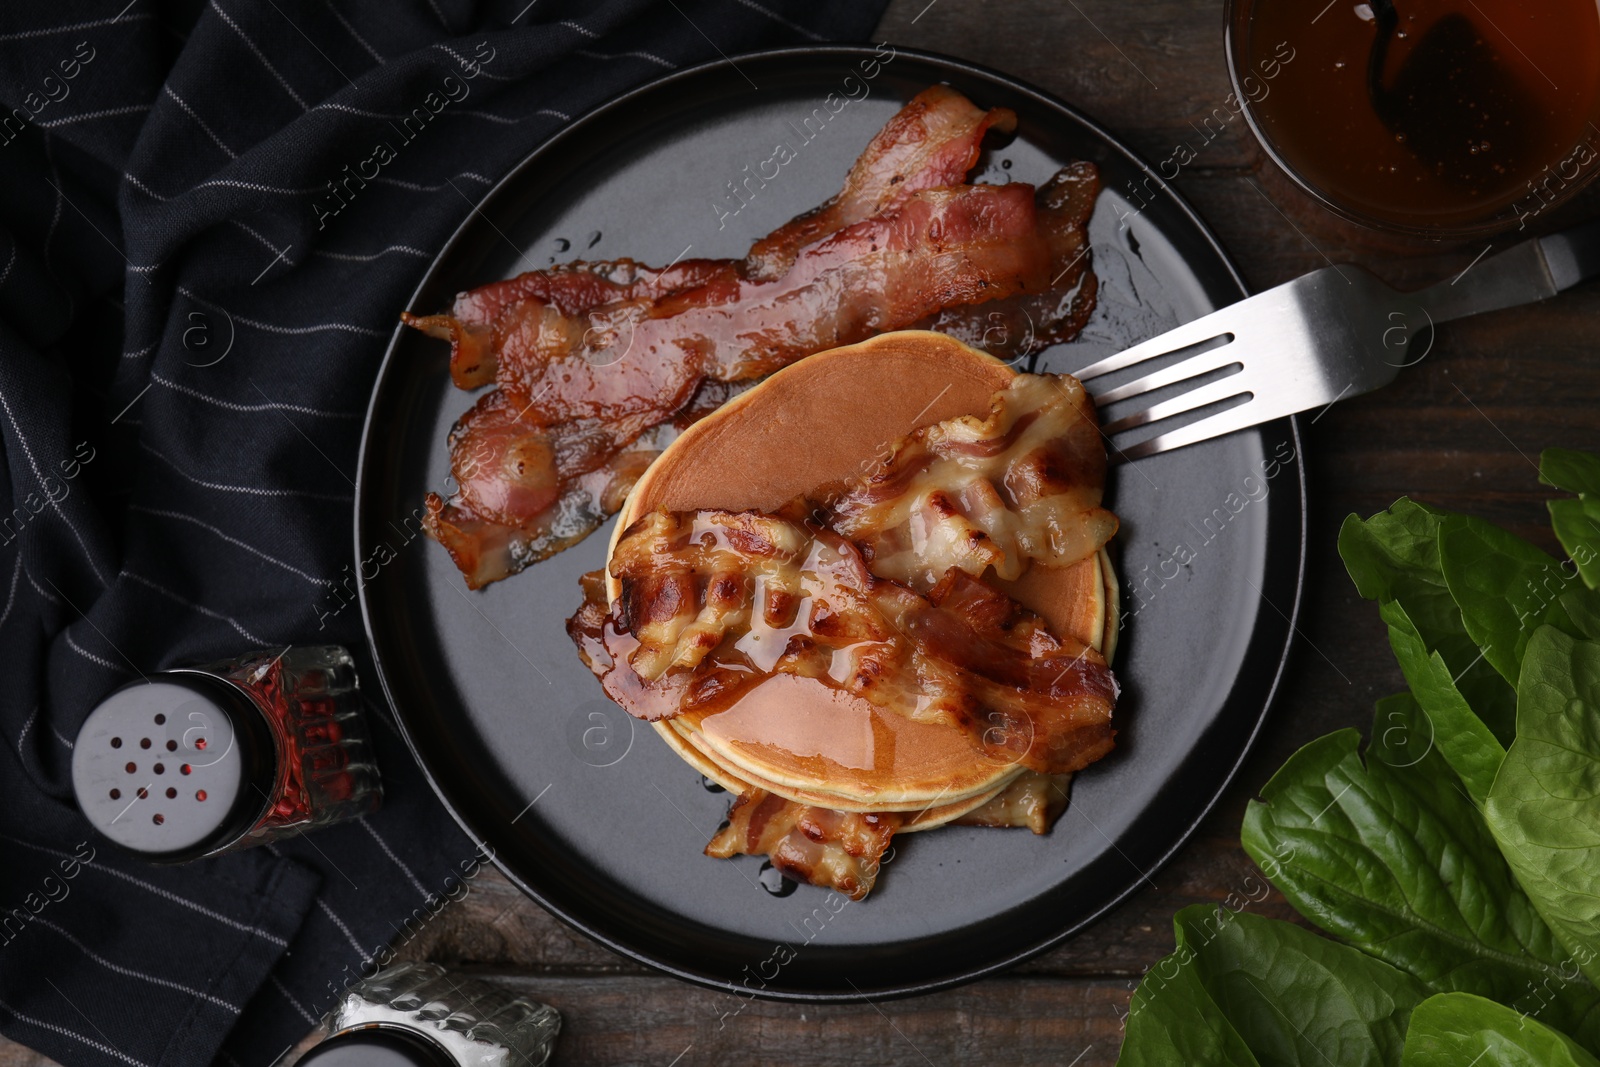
[1022, 325]
[836, 849]
[844, 851]
[1023, 485]
[930, 143]
[696, 584]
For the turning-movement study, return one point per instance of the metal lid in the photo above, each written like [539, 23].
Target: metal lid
[174, 766]
[377, 1047]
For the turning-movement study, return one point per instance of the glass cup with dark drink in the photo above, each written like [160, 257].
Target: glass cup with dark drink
[1440, 118]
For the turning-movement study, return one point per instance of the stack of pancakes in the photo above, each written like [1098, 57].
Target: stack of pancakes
[824, 419]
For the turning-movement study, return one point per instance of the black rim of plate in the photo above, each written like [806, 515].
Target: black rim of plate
[677, 955]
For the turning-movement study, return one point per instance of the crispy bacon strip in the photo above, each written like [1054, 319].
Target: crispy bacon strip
[572, 401]
[1033, 800]
[695, 584]
[1022, 485]
[1022, 325]
[930, 143]
[837, 849]
[572, 289]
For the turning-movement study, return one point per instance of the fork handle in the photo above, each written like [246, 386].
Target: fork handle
[1523, 274]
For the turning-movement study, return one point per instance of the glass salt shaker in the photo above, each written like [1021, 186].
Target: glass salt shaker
[199, 761]
[417, 1015]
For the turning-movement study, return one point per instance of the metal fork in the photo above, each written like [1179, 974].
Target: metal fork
[1330, 334]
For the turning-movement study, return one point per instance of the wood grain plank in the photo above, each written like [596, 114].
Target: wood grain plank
[1019, 1020]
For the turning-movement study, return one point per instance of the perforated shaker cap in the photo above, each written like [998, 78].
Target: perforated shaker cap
[174, 766]
[377, 1047]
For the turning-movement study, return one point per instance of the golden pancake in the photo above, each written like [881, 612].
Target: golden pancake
[828, 417]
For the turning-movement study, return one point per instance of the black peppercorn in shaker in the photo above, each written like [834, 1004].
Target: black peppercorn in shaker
[204, 760]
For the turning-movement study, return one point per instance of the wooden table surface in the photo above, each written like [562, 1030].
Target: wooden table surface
[1462, 429]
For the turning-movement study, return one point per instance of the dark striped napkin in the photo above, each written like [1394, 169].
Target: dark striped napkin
[193, 302]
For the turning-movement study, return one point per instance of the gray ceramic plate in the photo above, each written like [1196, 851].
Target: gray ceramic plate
[588, 811]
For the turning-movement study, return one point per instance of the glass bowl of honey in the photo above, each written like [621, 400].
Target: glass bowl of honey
[1435, 118]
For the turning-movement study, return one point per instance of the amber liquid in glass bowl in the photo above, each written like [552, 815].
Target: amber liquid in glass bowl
[1485, 113]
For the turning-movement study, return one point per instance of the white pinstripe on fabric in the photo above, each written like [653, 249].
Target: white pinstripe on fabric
[586, 31]
[52, 30]
[21, 737]
[41, 590]
[366, 957]
[262, 238]
[129, 972]
[387, 851]
[272, 327]
[482, 73]
[90, 656]
[63, 740]
[143, 188]
[291, 568]
[293, 1001]
[256, 187]
[271, 405]
[11, 262]
[348, 110]
[259, 54]
[249, 490]
[417, 187]
[11, 597]
[780, 20]
[64, 1032]
[27, 451]
[200, 122]
[351, 30]
[149, 887]
[353, 258]
[67, 120]
[587, 54]
[201, 608]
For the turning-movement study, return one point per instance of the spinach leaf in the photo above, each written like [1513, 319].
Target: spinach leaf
[1583, 608]
[1576, 472]
[1505, 587]
[1244, 990]
[1576, 521]
[1395, 556]
[1462, 738]
[1457, 1029]
[1390, 855]
[1544, 808]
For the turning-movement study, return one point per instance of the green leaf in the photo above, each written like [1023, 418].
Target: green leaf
[1458, 1029]
[1576, 521]
[1468, 745]
[1565, 468]
[1395, 556]
[1583, 608]
[1505, 587]
[1544, 808]
[1390, 855]
[1248, 991]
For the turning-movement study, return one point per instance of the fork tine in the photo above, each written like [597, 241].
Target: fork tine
[1190, 333]
[1242, 417]
[1193, 400]
[1183, 370]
